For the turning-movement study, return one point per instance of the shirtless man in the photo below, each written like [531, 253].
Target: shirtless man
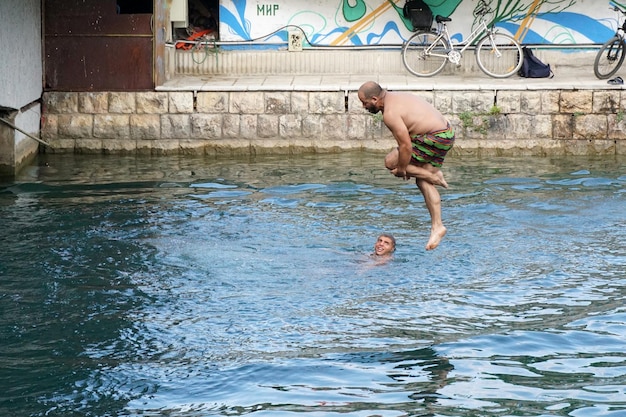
[424, 136]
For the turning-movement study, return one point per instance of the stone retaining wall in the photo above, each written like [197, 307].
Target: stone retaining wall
[511, 122]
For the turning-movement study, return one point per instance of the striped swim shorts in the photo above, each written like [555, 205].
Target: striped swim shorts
[432, 147]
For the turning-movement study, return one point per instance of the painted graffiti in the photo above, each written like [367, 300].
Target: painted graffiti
[267, 9]
[382, 22]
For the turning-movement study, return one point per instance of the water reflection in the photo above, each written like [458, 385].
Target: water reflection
[200, 287]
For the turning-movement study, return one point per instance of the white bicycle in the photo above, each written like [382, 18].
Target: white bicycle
[498, 55]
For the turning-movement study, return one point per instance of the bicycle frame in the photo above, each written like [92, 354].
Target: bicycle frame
[610, 56]
[442, 30]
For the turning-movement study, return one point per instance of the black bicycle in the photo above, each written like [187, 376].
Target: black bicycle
[610, 57]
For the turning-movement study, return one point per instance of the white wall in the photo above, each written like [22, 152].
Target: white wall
[21, 72]
[20, 53]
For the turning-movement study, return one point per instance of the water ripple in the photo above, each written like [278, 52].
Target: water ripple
[221, 287]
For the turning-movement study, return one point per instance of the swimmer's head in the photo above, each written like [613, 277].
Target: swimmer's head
[385, 245]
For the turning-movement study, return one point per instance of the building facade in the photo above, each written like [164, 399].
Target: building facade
[109, 46]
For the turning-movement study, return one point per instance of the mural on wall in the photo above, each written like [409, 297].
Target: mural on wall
[348, 23]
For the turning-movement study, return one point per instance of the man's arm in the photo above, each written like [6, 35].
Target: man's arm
[401, 134]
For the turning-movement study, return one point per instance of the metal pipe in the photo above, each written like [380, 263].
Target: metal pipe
[11, 125]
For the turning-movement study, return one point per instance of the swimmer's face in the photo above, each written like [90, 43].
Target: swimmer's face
[384, 246]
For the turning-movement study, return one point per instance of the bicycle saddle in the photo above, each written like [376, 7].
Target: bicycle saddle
[441, 19]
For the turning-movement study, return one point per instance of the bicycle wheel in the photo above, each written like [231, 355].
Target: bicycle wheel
[609, 58]
[499, 55]
[424, 54]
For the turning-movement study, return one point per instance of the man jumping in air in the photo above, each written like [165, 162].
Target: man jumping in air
[424, 136]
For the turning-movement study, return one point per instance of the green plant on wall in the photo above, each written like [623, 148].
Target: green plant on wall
[469, 118]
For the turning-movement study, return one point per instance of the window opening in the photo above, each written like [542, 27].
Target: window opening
[201, 20]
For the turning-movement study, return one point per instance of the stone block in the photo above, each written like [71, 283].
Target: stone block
[354, 104]
[616, 127]
[563, 126]
[589, 147]
[592, 126]
[472, 101]
[521, 127]
[442, 100]
[193, 146]
[327, 102]
[474, 126]
[93, 102]
[497, 126]
[359, 126]
[50, 126]
[212, 102]
[267, 126]
[277, 102]
[180, 102]
[152, 102]
[601, 147]
[270, 147]
[206, 126]
[88, 146]
[529, 101]
[575, 102]
[59, 145]
[175, 126]
[509, 101]
[290, 126]
[246, 102]
[119, 146]
[299, 102]
[377, 129]
[122, 102]
[529, 127]
[145, 126]
[606, 101]
[248, 126]
[334, 127]
[231, 125]
[312, 126]
[60, 102]
[550, 102]
[227, 146]
[542, 126]
[158, 147]
[77, 126]
[113, 126]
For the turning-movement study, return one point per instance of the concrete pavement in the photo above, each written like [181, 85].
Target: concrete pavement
[565, 78]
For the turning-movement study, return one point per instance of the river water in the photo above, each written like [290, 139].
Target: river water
[188, 286]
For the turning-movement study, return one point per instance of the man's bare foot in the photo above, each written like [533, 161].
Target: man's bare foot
[436, 179]
[435, 237]
[441, 179]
